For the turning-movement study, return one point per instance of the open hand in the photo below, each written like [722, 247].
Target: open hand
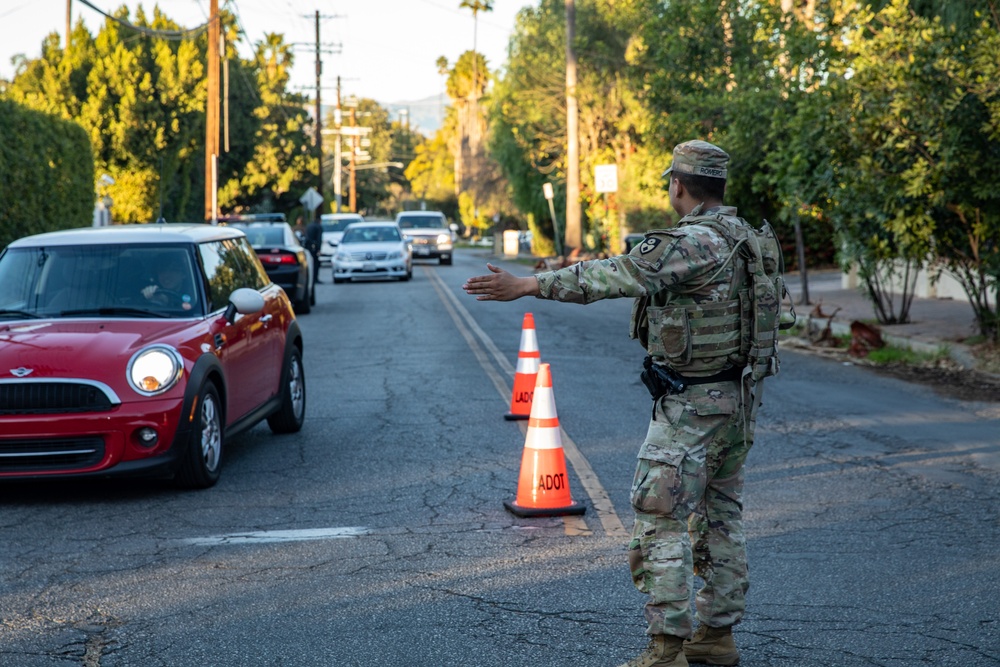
[500, 285]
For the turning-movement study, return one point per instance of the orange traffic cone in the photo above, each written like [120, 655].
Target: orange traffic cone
[543, 488]
[526, 372]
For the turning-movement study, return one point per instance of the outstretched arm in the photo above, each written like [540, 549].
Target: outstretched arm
[500, 285]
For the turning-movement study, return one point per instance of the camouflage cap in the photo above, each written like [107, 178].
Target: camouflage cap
[699, 158]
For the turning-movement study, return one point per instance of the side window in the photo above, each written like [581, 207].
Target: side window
[254, 275]
[229, 265]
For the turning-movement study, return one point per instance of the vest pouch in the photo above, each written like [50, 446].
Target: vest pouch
[669, 334]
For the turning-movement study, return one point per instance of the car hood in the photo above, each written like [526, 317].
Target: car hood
[78, 348]
[375, 246]
[333, 237]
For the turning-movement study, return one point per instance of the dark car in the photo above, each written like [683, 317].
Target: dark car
[140, 350]
[287, 263]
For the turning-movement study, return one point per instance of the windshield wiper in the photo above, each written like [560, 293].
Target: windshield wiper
[113, 310]
[5, 312]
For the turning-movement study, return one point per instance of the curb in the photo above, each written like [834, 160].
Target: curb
[958, 352]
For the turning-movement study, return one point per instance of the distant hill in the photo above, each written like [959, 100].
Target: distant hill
[426, 115]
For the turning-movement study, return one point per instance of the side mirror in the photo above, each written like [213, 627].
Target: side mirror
[244, 301]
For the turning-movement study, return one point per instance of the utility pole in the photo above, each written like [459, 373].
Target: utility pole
[212, 114]
[69, 20]
[353, 201]
[574, 234]
[319, 120]
[338, 168]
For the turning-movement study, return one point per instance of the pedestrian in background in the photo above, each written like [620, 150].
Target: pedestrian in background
[688, 485]
[314, 239]
[300, 229]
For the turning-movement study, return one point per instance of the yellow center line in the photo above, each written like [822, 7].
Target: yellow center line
[470, 330]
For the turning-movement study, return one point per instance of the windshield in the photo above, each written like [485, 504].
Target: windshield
[107, 280]
[264, 234]
[371, 235]
[421, 222]
[338, 225]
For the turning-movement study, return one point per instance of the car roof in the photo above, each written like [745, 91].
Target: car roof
[341, 216]
[254, 217]
[174, 232]
[372, 223]
[421, 213]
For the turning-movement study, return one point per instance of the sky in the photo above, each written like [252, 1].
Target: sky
[381, 49]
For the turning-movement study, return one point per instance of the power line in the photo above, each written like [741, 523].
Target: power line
[149, 32]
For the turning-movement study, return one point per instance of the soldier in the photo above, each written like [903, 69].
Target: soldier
[689, 477]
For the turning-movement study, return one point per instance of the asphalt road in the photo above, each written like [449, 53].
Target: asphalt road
[377, 536]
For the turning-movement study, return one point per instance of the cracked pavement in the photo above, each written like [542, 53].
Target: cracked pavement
[871, 515]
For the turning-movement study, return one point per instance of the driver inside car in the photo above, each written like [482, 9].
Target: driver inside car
[168, 288]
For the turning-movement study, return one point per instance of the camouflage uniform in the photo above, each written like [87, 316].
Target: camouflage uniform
[689, 477]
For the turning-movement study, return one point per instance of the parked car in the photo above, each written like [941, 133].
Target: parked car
[429, 234]
[372, 250]
[288, 264]
[334, 225]
[141, 350]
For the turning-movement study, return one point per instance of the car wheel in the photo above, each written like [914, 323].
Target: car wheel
[292, 414]
[445, 260]
[312, 295]
[203, 459]
[337, 281]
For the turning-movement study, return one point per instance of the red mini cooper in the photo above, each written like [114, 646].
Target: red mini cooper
[139, 350]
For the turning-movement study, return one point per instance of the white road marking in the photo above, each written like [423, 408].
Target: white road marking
[272, 536]
[588, 478]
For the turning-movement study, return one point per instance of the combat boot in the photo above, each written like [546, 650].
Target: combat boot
[663, 651]
[712, 646]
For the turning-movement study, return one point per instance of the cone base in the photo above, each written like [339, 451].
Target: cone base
[520, 510]
[510, 416]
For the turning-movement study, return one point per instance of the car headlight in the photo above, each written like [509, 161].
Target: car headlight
[395, 254]
[155, 369]
[342, 257]
[443, 239]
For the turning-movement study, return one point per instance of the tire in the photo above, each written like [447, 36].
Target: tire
[445, 262]
[202, 461]
[292, 414]
[312, 295]
[337, 281]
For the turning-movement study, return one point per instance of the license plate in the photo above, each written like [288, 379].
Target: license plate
[423, 251]
[368, 266]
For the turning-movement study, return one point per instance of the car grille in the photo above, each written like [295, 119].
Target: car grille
[368, 256]
[52, 454]
[37, 398]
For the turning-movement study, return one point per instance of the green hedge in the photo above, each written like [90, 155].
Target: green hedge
[46, 173]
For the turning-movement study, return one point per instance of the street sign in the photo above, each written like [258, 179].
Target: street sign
[311, 199]
[354, 131]
[547, 190]
[606, 177]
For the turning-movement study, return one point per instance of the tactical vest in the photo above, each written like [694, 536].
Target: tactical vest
[740, 331]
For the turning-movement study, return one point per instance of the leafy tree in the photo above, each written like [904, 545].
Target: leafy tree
[141, 100]
[921, 153]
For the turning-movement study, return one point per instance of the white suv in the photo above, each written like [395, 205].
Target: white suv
[428, 233]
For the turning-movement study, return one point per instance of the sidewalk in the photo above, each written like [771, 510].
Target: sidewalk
[935, 323]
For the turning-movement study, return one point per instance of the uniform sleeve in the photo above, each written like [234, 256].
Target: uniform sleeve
[632, 275]
[666, 260]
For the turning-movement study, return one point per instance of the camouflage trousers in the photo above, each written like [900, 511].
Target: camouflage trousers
[687, 496]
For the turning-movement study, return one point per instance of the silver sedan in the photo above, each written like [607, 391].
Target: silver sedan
[372, 250]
